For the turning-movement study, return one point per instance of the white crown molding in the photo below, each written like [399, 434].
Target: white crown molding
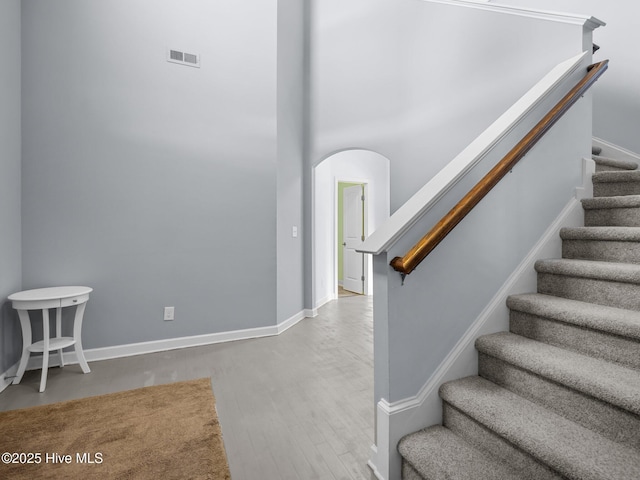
[561, 17]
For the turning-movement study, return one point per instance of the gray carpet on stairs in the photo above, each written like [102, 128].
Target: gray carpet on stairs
[617, 177]
[614, 272]
[617, 321]
[624, 234]
[614, 384]
[609, 203]
[611, 244]
[461, 460]
[621, 211]
[602, 283]
[568, 448]
[611, 422]
[558, 397]
[611, 184]
[613, 164]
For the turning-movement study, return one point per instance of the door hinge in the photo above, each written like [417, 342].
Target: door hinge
[362, 198]
[362, 278]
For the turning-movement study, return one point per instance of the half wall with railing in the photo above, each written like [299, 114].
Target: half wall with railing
[502, 194]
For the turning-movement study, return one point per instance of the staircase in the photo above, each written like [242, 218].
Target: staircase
[558, 396]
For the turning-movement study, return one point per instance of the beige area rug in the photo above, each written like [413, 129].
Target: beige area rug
[160, 432]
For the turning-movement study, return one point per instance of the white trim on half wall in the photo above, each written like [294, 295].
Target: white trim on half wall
[128, 350]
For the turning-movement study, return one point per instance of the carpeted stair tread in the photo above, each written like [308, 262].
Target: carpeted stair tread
[621, 210]
[610, 244]
[437, 453]
[618, 234]
[600, 379]
[609, 271]
[616, 183]
[615, 321]
[615, 163]
[615, 177]
[571, 450]
[598, 203]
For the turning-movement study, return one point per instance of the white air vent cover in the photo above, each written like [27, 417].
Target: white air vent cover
[183, 58]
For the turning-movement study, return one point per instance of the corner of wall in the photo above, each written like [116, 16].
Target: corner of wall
[10, 180]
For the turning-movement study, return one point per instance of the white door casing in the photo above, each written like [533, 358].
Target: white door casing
[353, 233]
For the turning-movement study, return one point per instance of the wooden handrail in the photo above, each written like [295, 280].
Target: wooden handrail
[420, 250]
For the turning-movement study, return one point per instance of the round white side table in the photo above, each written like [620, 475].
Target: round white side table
[44, 299]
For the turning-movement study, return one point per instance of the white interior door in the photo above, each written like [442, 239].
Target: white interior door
[353, 232]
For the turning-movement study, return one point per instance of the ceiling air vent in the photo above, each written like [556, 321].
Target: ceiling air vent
[183, 58]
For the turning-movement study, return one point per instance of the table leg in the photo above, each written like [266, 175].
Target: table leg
[59, 332]
[25, 324]
[77, 336]
[45, 350]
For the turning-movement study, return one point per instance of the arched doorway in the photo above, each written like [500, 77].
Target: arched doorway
[350, 167]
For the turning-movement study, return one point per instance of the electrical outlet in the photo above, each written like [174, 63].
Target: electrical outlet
[168, 313]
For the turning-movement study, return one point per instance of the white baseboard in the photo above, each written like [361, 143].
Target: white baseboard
[290, 322]
[7, 377]
[320, 303]
[382, 458]
[128, 350]
[375, 474]
[397, 419]
[313, 312]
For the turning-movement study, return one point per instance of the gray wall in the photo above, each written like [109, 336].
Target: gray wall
[10, 147]
[417, 82]
[291, 112]
[388, 76]
[151, 182]
[450, 289]
[616, 97]
[456, 285]
[398, 77]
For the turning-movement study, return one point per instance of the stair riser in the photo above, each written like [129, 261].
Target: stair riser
[601, 292]
[609, 347]
[615, 189]
[612, 217]
[409, 473]
[611, 422]
[488, 441]
[602, 250]
[607, 168]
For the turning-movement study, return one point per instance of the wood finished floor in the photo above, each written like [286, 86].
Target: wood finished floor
[296, 406]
